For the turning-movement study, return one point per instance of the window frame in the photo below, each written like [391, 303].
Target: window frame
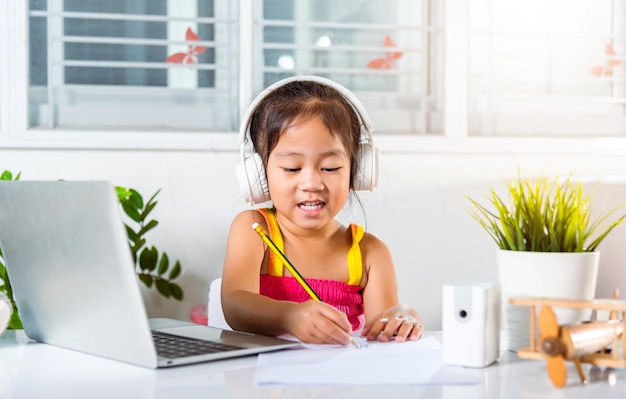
[455, 139]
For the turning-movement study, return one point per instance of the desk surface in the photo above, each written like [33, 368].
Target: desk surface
[33, 370]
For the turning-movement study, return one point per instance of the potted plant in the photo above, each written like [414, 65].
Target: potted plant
[547, 245]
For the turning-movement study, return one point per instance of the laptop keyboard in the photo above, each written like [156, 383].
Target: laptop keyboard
[174, 346]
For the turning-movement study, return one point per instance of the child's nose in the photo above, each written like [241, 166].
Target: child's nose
[311, 180]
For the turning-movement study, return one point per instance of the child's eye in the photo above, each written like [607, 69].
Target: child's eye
[330, 169]
[291, 170]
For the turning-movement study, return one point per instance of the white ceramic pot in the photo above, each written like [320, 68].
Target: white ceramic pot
[544, 274]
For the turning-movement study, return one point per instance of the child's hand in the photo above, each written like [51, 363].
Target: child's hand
[318, 323]
[400, 321]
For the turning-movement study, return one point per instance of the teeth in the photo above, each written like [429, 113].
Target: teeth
[311, 205]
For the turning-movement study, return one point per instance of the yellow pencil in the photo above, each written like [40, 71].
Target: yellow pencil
[286, 262]
[261, 232]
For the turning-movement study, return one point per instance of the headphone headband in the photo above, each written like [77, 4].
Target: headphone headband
[244, 128]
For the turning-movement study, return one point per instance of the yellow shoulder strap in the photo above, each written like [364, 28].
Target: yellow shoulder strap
[355, 263]
[275, 266]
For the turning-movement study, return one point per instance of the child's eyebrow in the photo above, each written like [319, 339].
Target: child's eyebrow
[327, 154]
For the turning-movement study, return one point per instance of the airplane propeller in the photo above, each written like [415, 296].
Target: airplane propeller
[551, 346]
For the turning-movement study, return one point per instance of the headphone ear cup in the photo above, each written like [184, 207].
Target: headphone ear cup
[252, 179]
[368, 170]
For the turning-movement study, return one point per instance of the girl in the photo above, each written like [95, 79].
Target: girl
[308, 138]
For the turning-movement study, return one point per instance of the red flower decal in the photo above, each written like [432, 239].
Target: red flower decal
[191, 55]
[607, 68]
[387, 61]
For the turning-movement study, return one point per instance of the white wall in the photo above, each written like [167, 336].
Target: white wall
[419, 209]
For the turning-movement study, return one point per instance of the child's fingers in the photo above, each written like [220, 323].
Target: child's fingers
[318, 323]
[394, 329]
[329, 336]
[383, 329]
[337, 326]
[373, 331]
[337, 317]
[409, 330]
[401, 326]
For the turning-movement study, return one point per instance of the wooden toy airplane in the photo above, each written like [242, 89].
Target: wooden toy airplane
[587, 342]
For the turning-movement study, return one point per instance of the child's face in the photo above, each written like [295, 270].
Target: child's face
[308, 174]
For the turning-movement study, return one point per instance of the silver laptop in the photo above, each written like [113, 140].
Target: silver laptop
[70, 266]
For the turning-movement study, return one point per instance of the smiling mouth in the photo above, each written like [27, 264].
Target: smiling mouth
[309, 206]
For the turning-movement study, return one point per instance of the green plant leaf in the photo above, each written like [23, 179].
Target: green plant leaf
[544, 215]
[131, 210]
[146, 279]
[148, 258]
[149, 207]
[3, 271]
[150, 268]
[135, 199]
[163, 287]
[138, 245]
[177, 291]
[15, 323]
[147, 227]
[164, 264]
[122, 193]
[132, 236]
[8, 175]
[154, 196]
[176, 270]
[594, 245]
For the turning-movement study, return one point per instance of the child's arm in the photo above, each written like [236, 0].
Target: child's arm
[385, 317]
[246, 310]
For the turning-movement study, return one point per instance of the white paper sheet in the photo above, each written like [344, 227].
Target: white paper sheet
[390, 363]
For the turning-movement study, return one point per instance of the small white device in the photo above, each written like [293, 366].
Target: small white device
[471, 324]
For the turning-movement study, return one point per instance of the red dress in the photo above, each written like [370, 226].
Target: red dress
[345, 296]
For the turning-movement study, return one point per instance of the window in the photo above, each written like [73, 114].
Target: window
[172, 65]
[547, 68]
[386, 51]
[179, 73]
[142, 64]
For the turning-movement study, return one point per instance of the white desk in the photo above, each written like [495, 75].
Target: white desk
[33, 370]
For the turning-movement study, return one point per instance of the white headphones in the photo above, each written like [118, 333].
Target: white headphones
[251, 172]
